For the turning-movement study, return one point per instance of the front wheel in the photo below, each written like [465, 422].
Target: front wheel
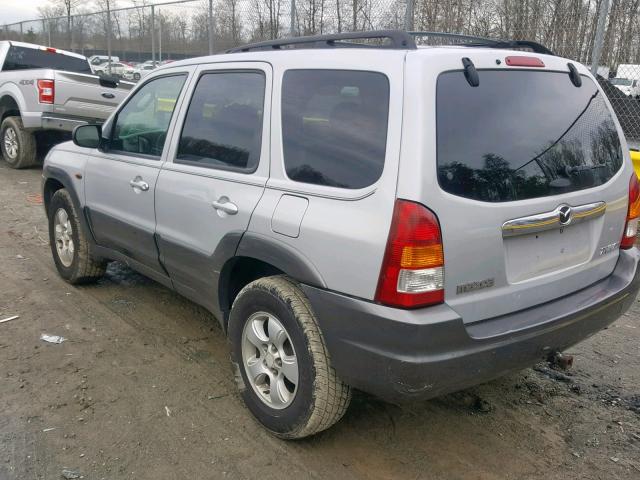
[289, 384]
[136, 76]
[69, 245]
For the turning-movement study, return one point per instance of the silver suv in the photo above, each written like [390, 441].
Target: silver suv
[361, 212]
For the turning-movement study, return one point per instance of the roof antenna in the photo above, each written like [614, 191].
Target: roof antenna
[574, 75]
[470, 72]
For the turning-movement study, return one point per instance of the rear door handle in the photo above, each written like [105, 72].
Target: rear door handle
[108, 95]
[139, 184]
[223, 204]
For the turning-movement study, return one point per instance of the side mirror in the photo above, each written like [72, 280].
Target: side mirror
[88, 136]
[108, 81]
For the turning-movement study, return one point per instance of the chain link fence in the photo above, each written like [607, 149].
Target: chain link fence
[602, 34]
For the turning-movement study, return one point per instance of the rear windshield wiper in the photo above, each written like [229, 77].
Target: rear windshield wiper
[582, 168]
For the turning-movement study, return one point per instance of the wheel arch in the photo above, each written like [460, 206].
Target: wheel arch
[260, 256]
[56, 178]
[49, 188]
[9, 107]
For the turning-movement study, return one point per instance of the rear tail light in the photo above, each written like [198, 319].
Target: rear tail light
[412, 273]
[633, 212]
[46, 91]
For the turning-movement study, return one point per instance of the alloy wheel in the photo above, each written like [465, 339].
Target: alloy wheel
[269, 360]
[11, 142]
[63, 234]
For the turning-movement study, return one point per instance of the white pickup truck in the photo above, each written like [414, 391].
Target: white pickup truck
[44, 94]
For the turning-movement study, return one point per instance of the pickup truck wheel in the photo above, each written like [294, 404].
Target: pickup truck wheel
[288, 382]
[18, 145]
[69, 245]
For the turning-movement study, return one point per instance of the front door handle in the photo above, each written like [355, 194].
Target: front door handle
[223, 204]
[139, 185]
[108, 95]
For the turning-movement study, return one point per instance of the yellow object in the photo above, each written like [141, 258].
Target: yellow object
[422, 257]
[635, 158]
[165, 104]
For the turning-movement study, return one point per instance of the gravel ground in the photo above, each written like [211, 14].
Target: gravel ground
[142, 389]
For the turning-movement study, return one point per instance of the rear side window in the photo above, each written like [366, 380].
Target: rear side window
[334, 126]
[523, 134]
[223, 126]
[21, 58]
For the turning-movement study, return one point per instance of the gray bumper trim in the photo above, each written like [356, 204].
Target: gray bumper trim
[420, 354]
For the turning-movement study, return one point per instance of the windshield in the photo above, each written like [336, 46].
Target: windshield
[23, 58]
[621, 82]
[523, 134]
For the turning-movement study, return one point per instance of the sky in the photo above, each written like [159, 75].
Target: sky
[17, 10]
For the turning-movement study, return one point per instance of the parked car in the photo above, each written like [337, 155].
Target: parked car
[401, 220]
[45, 92]
[138, 72]
[630, 87]
[98, 61]
[118, 69]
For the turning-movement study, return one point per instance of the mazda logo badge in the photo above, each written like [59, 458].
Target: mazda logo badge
[564, 215]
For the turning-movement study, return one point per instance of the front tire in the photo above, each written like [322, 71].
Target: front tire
[69, 244]
[18, 145]
[289, 384]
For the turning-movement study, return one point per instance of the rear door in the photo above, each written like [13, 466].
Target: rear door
[217, 169]
[526, 173]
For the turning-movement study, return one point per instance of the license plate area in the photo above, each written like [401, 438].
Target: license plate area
[537, 254]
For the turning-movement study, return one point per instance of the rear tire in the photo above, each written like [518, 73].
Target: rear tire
[18, 145]
[69, 245]
[313, 398]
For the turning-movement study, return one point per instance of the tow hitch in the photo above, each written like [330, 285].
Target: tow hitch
[561, 361]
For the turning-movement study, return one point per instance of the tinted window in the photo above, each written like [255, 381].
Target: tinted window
[141, 125]
[21, 58]
[223, 126]
[523, 134]
[334, 126]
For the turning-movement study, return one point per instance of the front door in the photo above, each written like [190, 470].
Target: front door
[215, 174]
[120, 181]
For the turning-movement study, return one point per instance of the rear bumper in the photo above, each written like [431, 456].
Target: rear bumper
[401, 355]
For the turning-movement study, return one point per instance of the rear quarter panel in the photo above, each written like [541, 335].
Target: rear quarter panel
[343, 232]
[21, 86]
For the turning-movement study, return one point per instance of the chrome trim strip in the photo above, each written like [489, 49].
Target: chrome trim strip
[551, 220]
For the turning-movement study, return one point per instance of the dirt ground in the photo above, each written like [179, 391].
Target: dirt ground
[142, 389]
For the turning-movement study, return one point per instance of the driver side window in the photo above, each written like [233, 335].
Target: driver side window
[141, 125]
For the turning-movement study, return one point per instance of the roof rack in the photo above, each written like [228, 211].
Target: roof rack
[473, 41]
[395, 40]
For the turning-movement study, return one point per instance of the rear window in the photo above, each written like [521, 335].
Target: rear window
[334, 126]
[522, 134]
[22, 58]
